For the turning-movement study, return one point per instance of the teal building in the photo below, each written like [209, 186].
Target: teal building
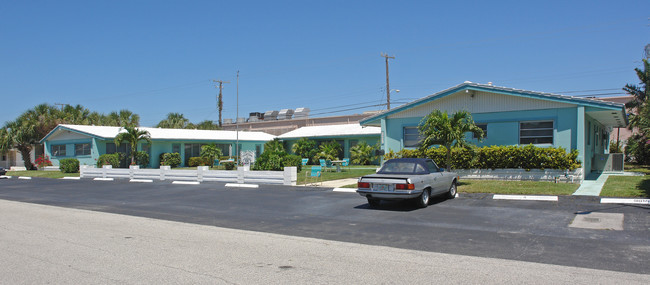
[87, 143]
[510, 117]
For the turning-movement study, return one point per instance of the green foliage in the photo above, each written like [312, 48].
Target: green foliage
[439, 128]
[305, 148]
[275, 158]
[292, 160]
[109, 159]
[274, 145]
[229, 165]
[210, 153]
[132, 136]
[142, 159]
[497, 157]
[638, 150]
[172, 159]
[69, 165]
[363, 153]
[329, 150]
[198, 161]
[615, 147]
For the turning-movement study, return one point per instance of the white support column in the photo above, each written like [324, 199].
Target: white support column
[163, 169]
[240, 175]
[199, 172]
[290, 175]
[105, 169]
[132, 169]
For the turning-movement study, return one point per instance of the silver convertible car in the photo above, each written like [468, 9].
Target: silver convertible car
[407, 178]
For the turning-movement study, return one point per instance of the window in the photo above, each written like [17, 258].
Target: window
[432, 166]
[225, 149]
[258, 150]
[58, 150]
[110, 148]
[411, 137]
[353, 143]
[539, 132]
[589, 133]
[192, 150]
[82, 149]
[482, 127]
[176, 148]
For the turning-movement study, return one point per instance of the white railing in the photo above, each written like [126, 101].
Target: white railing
[200, 174]
[556, 175]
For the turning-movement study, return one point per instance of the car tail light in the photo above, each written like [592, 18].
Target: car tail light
[363, 185]
[405, 186]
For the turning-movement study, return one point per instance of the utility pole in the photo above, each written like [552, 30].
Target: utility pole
[220, 98]
[237, 124]
[384, 55]
[62, 105]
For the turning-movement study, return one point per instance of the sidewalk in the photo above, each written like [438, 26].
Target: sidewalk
[334, 183]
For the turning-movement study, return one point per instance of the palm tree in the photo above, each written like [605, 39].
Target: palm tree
[122, 118]
[305, 148]
[640, 94]
[207, 125]
[438, 128]
[330, 150]
[132, 136]
[362, 154]
[210, 152]
[174, 121]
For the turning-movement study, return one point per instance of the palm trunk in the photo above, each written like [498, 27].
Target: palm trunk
[25, 151]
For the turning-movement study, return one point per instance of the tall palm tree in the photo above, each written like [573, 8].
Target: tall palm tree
[438, 128]
[174, 121]
[122, 118]
[132, 136]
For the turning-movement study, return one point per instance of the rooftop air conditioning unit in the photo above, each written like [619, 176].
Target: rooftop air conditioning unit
[301, 113]
[270, 115]
[285, 114]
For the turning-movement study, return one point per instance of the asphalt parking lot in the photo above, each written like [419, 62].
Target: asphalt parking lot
[473, 225]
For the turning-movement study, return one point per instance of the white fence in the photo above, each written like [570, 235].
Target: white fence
[201, 174]
[570, 176]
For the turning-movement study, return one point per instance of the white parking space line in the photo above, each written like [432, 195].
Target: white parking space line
[71, 178]
[642, 201]
[186, 182]
[24, 177]
[141, 180]
[525, 197]
[242, 185]
[103, 179]
[345, 190]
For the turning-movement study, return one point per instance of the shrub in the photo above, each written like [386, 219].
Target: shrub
[142, 158]
[109, 159]
[305, 148]
[43, 160]
[329, 150]
[229, 165]
[172, 159]
[363, 153]
[69, 165]
[199, 161]
[498, 157]
[292, 160]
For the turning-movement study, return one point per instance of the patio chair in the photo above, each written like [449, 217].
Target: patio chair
[346, 163]
[323, 165]
[314, 175]
[304, 161]
[328, 164]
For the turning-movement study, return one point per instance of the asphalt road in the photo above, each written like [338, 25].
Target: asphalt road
[472, 225]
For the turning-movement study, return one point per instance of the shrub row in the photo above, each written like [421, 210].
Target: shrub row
[172, 159]
[496, 157]
[69, 165]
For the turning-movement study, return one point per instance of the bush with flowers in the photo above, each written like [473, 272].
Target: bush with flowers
[43, 160]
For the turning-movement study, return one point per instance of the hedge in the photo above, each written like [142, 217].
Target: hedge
[109, 159]
[199, 161]
[172, 159]
[497, 157]
[69, 165]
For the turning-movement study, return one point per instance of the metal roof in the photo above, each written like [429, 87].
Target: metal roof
[107, 132]
[467, 85]
[332, 131]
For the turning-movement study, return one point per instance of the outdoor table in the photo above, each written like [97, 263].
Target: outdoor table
[338, 164]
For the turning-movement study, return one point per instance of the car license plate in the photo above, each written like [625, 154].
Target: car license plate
[381, 187]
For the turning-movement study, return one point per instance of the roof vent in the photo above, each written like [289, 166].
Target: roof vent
[490, 83]
[270, 115]
[301, 113]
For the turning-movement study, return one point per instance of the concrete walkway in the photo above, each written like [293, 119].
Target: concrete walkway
[594, 182]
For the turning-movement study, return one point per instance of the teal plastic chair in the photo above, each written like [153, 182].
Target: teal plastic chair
[346, 163]
[314, 175]
[328, 164]
[322, 163]
[304, 161]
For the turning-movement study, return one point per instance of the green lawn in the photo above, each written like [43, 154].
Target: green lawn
[39, 173]
[352, 172]
[626, 186]
[516, 187]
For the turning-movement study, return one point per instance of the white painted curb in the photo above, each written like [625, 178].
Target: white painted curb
[141, 180]
[24, 177]
[525, 197]
[242, 185]
[71, 178]
[643, 201]
[186, 182]
[5, 177]
[345, 190]
[103, 179]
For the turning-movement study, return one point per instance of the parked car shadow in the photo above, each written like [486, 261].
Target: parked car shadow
[401, 205]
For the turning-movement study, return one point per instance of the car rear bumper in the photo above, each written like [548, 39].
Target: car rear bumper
[397, 195]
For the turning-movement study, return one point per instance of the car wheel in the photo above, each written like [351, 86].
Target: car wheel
[452, 191]
[374, 203]
[423, 200]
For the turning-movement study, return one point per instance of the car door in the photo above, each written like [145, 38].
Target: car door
[436, 176]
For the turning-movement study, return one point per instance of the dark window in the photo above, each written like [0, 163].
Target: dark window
[82, 149]
[482, 127]
[258, 150]
[58, 150]
[432, 166]
[176, 148]
[589, 133]
[225, 149]
[192, 150]
[110, 148]
[538, 132]
[411, 137]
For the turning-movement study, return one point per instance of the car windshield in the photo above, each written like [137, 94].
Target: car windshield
[408, 167]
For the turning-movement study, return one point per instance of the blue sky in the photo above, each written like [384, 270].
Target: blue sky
[156, 57]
